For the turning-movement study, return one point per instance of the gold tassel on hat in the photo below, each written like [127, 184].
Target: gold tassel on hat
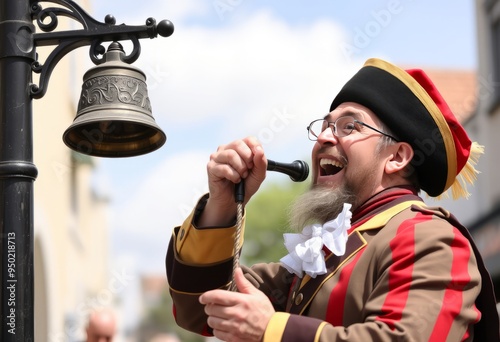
[468, 175]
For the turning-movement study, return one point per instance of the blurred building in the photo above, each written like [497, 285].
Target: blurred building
[459, 88]
[485, 125]
[71, 230]
[481, 212]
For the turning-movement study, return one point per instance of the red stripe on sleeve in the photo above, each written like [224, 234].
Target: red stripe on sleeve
[400, 273]
[452, 301]
[336, 301]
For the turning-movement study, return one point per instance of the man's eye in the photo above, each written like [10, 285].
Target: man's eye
[348, 126]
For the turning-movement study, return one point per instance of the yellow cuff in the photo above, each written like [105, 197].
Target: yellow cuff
[208, 245]
[276, 327]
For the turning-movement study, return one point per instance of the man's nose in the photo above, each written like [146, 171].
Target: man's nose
[327, 136]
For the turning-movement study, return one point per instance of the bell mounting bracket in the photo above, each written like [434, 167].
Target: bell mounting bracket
[93, 33]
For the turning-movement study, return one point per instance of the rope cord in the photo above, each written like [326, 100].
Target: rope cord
[239, 197]
[237, 238]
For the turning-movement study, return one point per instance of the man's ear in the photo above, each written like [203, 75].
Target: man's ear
[400, 158]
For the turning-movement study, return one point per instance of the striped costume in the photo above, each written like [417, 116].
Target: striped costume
[410, 273]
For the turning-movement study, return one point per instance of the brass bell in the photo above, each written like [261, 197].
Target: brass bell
[114, 116]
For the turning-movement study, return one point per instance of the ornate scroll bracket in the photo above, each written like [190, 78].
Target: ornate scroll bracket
[94, 33]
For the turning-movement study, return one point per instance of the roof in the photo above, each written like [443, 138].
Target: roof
[458, 88]
[154, 284]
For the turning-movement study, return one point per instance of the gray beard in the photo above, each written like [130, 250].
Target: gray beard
[318, 205]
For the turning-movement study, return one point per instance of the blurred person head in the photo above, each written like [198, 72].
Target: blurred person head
[101, 326]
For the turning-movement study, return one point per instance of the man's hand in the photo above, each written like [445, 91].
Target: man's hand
[238, 316]
[232, 163]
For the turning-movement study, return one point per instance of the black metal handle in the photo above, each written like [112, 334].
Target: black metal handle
[297, 170]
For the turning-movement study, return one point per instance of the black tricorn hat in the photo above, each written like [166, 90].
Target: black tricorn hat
[410, 105]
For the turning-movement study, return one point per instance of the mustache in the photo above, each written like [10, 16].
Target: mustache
[334, 153]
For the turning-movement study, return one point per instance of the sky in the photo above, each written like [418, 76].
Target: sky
[236, 68]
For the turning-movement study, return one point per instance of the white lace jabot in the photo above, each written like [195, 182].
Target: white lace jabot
[305, 249]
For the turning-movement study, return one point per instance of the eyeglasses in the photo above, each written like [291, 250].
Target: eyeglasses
[341, 127]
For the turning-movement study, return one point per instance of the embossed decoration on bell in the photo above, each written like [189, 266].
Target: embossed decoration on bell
[105, 90]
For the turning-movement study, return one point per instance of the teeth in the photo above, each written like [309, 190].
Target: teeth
[324, 162]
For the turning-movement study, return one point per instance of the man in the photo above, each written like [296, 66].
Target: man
[406, 272]
[101, 326]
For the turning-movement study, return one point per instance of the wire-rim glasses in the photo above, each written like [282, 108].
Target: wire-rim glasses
[341, 127]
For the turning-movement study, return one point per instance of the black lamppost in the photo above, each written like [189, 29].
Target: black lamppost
[116, 123]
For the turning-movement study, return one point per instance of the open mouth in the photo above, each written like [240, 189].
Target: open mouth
[329, 167]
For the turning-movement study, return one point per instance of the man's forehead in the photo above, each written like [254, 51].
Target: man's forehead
[356, 111]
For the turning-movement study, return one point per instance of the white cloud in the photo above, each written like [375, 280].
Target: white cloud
[246, 69]
[178, 11]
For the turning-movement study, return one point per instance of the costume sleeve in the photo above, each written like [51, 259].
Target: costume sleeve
[198, 260]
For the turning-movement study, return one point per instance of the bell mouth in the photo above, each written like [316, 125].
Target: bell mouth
[114, 137]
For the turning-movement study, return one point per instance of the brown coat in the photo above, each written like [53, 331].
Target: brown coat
[407, 275]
